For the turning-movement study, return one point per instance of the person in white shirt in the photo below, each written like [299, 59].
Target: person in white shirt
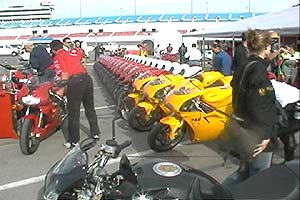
[194, 55]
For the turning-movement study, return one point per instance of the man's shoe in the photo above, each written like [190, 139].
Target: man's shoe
[68, 145]
[75, 144]
[96, 137]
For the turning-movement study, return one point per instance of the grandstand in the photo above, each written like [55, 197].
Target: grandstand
[118, 29]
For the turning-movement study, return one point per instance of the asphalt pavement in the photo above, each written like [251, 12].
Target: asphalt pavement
[22, 176]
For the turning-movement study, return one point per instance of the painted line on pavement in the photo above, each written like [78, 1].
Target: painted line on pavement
[22, 182]
[100, 107]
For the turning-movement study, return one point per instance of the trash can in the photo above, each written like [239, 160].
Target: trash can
[6, 116]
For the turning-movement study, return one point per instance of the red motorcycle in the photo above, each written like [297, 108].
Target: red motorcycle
[45, 113]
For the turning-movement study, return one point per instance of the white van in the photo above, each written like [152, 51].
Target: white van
[8, 50]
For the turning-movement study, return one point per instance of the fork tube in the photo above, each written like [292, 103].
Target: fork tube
[40, 119]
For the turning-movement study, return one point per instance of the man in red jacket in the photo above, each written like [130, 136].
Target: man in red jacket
[79, 89]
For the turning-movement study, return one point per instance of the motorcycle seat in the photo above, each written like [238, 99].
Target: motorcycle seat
[276, 182]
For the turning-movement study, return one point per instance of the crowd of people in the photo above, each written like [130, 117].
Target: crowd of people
[65, 67]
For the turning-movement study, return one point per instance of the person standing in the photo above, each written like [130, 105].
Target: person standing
[77, 51]
[169, 49]
[157, 52]
[193, 55]
[40, 60]
[240, 53]
[79, 90]
[182, 51]
[253, 99]
[222, 61]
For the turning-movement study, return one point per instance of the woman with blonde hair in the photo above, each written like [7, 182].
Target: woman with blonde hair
[254, 101]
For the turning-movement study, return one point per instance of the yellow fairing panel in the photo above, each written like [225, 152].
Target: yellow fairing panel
[147, 106]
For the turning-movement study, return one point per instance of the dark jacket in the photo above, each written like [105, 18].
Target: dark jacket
[40, 59]
[240, 56]
[256, 102]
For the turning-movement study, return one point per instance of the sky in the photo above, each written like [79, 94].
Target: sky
[95, 8]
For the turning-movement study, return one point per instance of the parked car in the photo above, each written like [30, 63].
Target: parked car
[8, 50]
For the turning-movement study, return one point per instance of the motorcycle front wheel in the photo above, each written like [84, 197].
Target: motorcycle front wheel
[159, 137]
[28, 142]
[137, 119]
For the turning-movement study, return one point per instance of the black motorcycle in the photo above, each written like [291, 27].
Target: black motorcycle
[74, 178]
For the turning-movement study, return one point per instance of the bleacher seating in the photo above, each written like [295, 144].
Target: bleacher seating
[194, 17]
[217, 17]
[128, 19]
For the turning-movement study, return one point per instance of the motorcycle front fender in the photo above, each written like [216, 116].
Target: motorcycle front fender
[148, 107]
[136, 97]
[32, 116]
[173, 122]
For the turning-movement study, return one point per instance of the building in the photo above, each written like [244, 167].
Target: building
[43, 11]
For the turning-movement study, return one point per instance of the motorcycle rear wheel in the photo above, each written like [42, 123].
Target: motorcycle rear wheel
[159, 141]
[28, 142]
[137, 121]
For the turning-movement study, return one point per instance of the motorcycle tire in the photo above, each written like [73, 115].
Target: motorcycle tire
[28, 144]
[137, 121]
[158, 139]
[122, 106]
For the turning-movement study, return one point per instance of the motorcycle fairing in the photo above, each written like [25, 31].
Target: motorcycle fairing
[174, 123]
[135, 96]
[148, 107]
[205, 126]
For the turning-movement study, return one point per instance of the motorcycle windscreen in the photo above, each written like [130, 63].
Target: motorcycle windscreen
[66, 172]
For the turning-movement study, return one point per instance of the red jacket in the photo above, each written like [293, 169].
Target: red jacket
[65, 62]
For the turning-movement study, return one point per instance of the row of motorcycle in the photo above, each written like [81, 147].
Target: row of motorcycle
[168, 99]
[37, 112]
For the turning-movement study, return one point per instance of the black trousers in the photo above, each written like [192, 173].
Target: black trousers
[80, 89]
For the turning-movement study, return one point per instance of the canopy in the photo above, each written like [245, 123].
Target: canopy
[286, 22]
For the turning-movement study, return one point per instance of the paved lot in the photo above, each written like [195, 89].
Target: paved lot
[22, 176]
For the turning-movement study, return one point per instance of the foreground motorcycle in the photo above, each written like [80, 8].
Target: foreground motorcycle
[74, 177]
[45, 113]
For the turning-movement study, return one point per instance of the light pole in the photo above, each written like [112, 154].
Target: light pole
[80, 8]
[249, 6]
[134, 7]
[191, 6]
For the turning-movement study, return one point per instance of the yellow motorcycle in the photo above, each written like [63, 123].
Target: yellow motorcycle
[152, 108]
[153, 92]
[202, 113]
[129, 99]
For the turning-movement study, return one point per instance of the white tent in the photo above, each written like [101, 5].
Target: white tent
[285, 22]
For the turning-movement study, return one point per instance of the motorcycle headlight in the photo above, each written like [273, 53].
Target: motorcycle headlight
[30, 100]
[160, 94]
[155, 82]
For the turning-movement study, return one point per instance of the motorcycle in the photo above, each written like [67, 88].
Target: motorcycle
[153, 107]
[45, 113]
[202, 113]
[74, 177]
[137, 118]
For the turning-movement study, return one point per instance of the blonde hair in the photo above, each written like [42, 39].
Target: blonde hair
[257, 40]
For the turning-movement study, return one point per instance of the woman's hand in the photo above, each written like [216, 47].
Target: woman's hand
[261, 147]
